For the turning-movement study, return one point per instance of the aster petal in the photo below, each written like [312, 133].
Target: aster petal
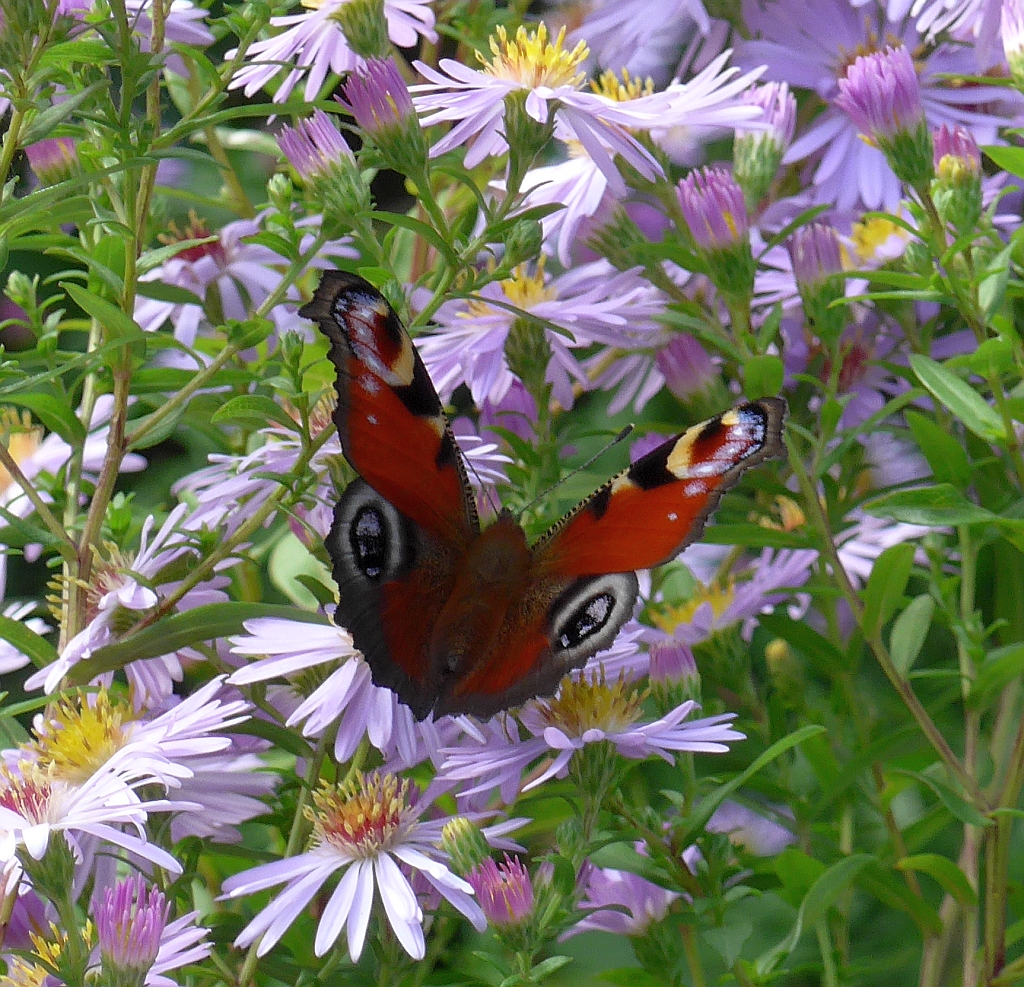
[403, 912]
[362, 904]
[336, 913]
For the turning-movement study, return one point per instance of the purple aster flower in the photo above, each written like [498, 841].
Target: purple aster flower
[347, 699]
[620, 902]
[314, 147]
[714, 209]
[377, 96]
[367, 829]
[240, 275]
[759, 834]
[817, 261]
[688, 371]
[586, 711]
[53, 160]
[314, 43]
[504, 890]
[549, 80]
[128, 586]
[594, 302]
[623, 35]
[770, 580]
[1012, 29]
[130, 921]
[844, 170]
[881, 95]
[757, 152]
[957, 188]
[974, 22]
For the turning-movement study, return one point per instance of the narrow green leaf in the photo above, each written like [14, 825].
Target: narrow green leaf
[949, 876]
[762, 376]
[938, 506]
[909, 632]
[422, 229]
[38, 649]
[885, 587]
[998, 670]
[823, 893]
[704, 809]
[947, 457]
[958, 807]
[252, 411]
[120, 326]
[1010, 159]
[992, 290]
[182, 630]
[55, 414]
[959, 397]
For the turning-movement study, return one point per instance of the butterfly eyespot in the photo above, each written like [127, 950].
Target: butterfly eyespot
[369, 540]
[588, 615]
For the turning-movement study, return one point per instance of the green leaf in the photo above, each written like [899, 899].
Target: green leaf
[121, 328]
[252, 411]
[763, 376]
[183, 630]
[949, 876]
[56, 414]
[825, 891]
[992, 290]
[1009, 159]
[938, 506]
[998, 670]
[37, 648]
[958, 807]
[42, 124]
[959, 397]
[727, 940]
[422, 229]
[885, 587]
[909, 632]
[947, 457]
[703, 810]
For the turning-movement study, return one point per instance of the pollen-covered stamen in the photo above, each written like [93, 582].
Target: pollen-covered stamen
[533, 61]
[81, 736]
[593, 704]
[27, 789]
[623, 89]
[524, 290]
[20, 437]
[364, 817]
[195, 230]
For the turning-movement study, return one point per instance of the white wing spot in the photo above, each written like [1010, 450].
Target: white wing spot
[672, 516]
[372, 419]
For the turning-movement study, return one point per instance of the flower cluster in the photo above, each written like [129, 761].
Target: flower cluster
[317, 317]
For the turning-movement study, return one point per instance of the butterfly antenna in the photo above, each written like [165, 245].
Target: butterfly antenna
[579, 469]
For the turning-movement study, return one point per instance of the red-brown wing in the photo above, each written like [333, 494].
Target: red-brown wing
[650, 512]
[392, 427]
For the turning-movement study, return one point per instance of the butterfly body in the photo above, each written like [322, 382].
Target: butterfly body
[456, 619]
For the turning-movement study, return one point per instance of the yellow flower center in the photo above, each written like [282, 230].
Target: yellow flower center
[523, 290]
[21, 438]
[872, 234]
[593, 704]
[719, 594]
[609, 85]
[27, 789]
[533, 61]
[362, 817]
[83, 736]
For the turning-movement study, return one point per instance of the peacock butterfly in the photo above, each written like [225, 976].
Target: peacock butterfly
[459, 620]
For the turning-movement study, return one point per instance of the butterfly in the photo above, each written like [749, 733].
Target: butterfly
[455, 619]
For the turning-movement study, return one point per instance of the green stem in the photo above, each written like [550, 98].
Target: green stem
[689, 938]
[9, 463]
[874, 639]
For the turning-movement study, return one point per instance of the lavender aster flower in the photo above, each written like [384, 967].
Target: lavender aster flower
[621, 902]
[817, 267]
[757, 153]
[504, 890]
[366, 829]
[957, 190]
[129, 925]
[882, 96]
[586, 711]
[53, 160]
[1012, 25]
[844, 170]
[378, 98]
[547, 80]
[314, 146]
[314, 44]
